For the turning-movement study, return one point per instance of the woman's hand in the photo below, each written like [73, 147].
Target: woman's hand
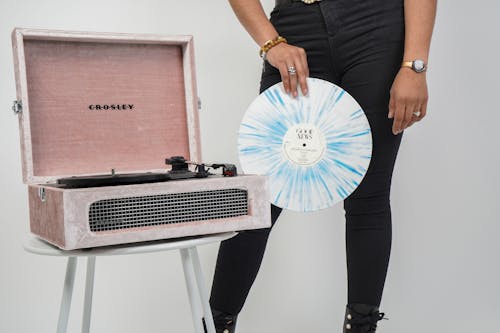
[284, 57]
[408, 94]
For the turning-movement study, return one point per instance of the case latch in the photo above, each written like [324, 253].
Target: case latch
[199, 103]
[41, 194]
[17, 107]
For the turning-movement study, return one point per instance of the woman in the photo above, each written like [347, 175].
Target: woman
[377, 51]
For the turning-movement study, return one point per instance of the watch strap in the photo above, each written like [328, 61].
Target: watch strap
[407, 64]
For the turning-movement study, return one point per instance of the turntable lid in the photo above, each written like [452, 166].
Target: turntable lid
[92, 102]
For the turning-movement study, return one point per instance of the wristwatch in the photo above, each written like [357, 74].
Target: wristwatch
[417, 65]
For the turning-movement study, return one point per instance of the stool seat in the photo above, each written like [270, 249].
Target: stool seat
[190, 261]
[36, 245]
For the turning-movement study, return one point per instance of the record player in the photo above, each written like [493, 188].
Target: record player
[110, 142]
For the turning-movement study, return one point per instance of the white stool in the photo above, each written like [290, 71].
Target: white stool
[190, 262]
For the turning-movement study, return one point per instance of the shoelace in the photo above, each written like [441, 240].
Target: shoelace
[223, 324]
[227, 323]
[370, 319]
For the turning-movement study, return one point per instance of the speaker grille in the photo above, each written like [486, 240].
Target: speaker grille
[132, 212]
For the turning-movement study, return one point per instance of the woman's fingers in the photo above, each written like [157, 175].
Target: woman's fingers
[392, 107]
[302, 69]
[291, 61]
[405, 111]
[298, 71]
[423, 110]
[399, 116]
[414, 117]
[285, 77]
[409, 109]
[304, 72]
[292, 75]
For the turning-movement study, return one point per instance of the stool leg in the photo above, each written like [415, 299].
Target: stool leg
[207, 311]
[69, 282]
[89, 289]
[187, 264]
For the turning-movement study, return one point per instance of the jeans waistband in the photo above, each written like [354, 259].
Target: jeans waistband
[285, 2]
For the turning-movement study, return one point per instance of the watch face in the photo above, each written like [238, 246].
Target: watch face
[418, 65]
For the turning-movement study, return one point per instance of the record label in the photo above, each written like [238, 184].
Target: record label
[304, 144]
[315, 149]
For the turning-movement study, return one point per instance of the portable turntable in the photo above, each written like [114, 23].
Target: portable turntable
[99, 113]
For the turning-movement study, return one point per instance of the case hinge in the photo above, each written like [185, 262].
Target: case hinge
[199, 103]
[17, 107]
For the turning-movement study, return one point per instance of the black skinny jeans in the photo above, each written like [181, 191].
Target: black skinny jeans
[358, 45]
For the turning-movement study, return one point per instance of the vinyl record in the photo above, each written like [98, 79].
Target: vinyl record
[315, 149]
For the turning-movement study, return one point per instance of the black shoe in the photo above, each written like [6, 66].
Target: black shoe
[361, 318]
[224, 322]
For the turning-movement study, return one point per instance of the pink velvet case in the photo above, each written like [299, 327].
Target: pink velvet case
[92, 102]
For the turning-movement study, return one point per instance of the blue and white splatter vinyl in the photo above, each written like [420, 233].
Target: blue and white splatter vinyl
[315, 149]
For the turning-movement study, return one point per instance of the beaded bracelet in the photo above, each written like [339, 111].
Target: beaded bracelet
[270, 44]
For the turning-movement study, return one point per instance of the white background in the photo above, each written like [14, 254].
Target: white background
[444, 271]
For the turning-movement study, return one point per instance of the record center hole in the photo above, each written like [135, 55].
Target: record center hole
[303, 145]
